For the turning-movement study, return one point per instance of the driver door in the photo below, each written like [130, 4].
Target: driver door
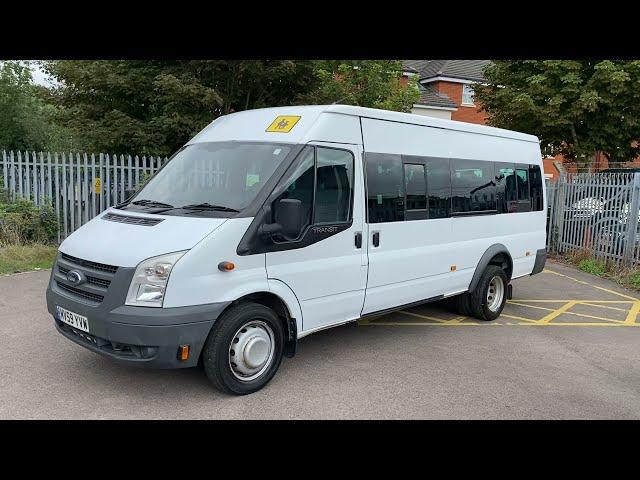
[326, 264]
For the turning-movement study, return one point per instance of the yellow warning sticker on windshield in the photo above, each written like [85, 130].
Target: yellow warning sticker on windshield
[283, 123]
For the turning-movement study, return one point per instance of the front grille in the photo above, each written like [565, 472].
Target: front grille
[93, 280]
[147, 222]
[94, 297]
[88, 264]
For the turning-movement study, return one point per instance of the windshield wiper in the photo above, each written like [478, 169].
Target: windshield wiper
[208, 206]
[151, 203]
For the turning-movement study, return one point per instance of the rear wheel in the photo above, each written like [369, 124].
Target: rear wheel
[488, 299]
[244, 349]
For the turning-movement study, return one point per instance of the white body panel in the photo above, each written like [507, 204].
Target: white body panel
[329, 277]
[331, 281]
[126, 245]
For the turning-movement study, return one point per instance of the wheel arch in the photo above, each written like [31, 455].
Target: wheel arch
[282, 309]
[496, 254]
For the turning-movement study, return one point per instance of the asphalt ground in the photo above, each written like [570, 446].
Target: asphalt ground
[567, 346]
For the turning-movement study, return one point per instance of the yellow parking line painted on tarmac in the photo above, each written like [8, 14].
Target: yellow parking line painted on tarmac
[426, 317]
[518, 318]
[531, 306]
[633, 313]
[556, 313]
[589, 304]
[613, 292]
[564, 300]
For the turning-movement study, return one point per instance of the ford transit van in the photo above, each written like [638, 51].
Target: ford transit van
[275, 223]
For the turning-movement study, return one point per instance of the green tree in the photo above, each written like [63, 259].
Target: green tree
[366, 83]
[579, 107]
[24, 122]
[156, 106]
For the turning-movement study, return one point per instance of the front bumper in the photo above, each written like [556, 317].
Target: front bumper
[142, 336]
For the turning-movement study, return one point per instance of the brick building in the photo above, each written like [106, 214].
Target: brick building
[446, 91]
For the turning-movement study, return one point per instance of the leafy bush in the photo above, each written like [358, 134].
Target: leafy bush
[593, 267]
[21, 221]
[634, 280]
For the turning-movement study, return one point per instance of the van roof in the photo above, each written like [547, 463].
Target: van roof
[403, 118]
[251, 124]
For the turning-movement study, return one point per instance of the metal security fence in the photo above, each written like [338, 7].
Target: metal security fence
[78, 186]
[596, 213]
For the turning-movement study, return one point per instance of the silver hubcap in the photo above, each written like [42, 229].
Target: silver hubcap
[495, 293]
[251, 350]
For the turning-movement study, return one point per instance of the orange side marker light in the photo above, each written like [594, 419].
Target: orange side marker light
[183, 353]
[226, 266]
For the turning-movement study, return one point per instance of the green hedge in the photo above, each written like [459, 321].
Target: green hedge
[21, 221]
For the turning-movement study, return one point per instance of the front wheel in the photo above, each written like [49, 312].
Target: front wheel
[488, 299]
[244, 349]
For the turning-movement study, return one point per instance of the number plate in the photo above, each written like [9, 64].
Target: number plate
[73, 319]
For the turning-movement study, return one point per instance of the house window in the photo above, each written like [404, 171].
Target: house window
[467, 95]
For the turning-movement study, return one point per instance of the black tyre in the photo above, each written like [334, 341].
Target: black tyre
[490, 295]
[244, 349]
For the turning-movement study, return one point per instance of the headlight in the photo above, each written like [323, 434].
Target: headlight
[150, 280]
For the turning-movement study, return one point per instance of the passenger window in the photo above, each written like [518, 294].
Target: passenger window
[334, 186]
[438, 187]
[506, 190]
[536, 185]
[385, 188]
[299, 185]
[522, 177]
[473, 186]
[415, 187]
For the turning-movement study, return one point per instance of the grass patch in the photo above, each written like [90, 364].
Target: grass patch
[593, 267]
[627, 277]
[24, 258]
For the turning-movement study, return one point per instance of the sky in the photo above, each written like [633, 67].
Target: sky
[40, 77]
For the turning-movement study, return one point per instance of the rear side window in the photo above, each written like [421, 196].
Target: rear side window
[385, 187]
[536, 185]
[438, 187]
[473, 186]
[506, 187]
[415, 187]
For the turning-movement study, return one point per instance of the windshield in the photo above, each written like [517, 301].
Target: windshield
[223, 175]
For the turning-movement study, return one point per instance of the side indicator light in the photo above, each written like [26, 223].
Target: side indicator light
[183, 353]
[226, 266]
[453, 268]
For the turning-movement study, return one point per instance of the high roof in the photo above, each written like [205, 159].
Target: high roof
[310, 113]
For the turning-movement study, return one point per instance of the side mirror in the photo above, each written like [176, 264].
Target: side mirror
[289, 214]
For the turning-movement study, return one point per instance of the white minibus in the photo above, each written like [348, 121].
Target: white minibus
[275, 223]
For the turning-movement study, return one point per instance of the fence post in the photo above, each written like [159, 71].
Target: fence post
[632, 222]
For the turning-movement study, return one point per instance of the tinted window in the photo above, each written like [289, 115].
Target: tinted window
[334, 185]
[416, 186]
[473, 186]
[506, 190]
[438, 187]
[536, 185]
[385, 188]
[522, 177]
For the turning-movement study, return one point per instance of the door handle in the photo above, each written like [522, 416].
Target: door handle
[358, 240]
[376, 239]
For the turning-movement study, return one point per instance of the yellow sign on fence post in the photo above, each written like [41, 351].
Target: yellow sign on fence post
[97, 186]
